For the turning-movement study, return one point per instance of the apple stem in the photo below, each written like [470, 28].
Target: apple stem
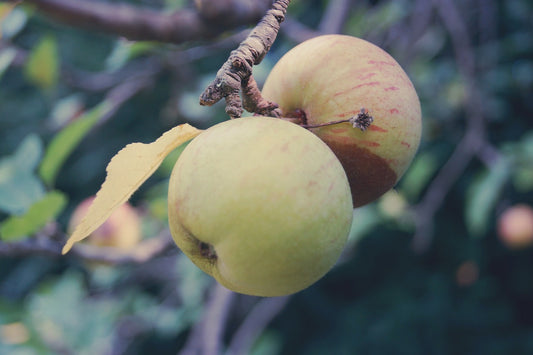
[362, 121]
[236, 73]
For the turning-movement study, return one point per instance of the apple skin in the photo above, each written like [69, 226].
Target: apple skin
[122, 230]
[515, 226]
[332, 77]
[260, 204]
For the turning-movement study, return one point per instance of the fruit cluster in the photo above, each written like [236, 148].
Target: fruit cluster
[265, 205]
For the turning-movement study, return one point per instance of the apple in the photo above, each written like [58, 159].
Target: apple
[260, 204]
[337, 77]
[515, 226]
[122, 230]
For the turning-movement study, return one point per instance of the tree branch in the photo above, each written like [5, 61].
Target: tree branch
[227, 12]
[254, 324]
[472, 141]
[51, 241]
[236, 72]
[206, 337]
[137, 24]
[335, 16]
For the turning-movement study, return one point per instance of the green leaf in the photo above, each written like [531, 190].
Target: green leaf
[523, 172]
[61, 313]
[19, 187]
[418, 175]
[42, 66]
[29, 153]
[40, 213]
[482, 196]
[67, 140]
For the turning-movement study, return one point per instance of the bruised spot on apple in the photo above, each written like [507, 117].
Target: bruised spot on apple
[261, 204]
[368, 172]
[335, 76]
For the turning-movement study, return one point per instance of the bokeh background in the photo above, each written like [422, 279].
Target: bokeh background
[425, 270]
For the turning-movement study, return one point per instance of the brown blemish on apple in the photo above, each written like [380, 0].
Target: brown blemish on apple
[369, 175]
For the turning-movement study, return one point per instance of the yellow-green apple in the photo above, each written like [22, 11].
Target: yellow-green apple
[261, 204]
[515, 226]
[337, 77]
[122, 230]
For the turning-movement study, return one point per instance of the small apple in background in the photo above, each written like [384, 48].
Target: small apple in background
[335, 77]
[261, 204]
[515, 226]
[122, 230]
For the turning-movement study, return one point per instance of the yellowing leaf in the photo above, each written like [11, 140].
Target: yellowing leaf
[126, 171]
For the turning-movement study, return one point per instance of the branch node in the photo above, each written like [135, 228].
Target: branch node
[236, 73]
[253, 101]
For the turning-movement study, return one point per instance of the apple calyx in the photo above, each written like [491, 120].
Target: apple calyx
[362, 120]
[207, 250]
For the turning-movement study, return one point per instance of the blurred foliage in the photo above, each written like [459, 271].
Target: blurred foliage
[64, 114]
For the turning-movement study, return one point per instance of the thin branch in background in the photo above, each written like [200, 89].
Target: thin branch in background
[96, 81]
[206, 337]
[255, 323]
[123, 92]
[236, 71]
[335, 16]
[49, 242]
[144, 251]
[474, 137]
[216, 318]
[146, 68]
[141, 24]
[416, 27]
[182, 56]
[225, 13]
[438, 189]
